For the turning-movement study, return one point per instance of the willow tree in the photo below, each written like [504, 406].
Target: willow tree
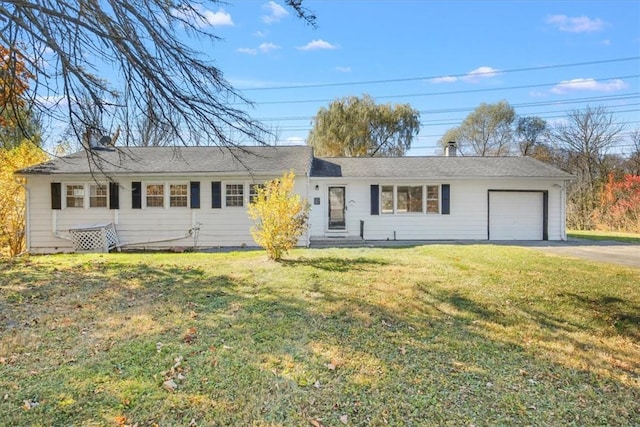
[75, 47]
[358, 127]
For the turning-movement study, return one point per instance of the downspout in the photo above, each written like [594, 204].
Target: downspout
[563, 207]
[27, 225]
[54, 226]
[307, 197]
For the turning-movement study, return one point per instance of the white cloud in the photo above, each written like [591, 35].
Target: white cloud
[473, 76]
[592, 85]
[247, 50]
[444, 79]
[343, 69]
[575, 24]
[202, 18]
[318, 45]
[268, 47]
[480, 73]
[260, 34]
[276, 12]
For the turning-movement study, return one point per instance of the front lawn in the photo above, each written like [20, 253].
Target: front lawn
[605, 235]
[431, 335]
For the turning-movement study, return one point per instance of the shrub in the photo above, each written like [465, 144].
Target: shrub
[279, 215]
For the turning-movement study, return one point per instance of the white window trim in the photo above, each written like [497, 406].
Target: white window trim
[167, 192]
[439, 199]
[424, 199]
[85, 200]
[249, 185]
[88, 195]
[245, 195]
[164, 194]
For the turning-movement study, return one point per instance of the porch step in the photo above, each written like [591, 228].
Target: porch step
[337, 242]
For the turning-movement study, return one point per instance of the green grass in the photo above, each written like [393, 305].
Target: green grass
[605, 235]
[431, 335]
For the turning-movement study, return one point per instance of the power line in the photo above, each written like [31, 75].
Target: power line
[457, 122]
[451, 92]
[409, 79]
[465, 109]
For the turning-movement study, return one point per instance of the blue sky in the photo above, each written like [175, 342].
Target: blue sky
[443, 58]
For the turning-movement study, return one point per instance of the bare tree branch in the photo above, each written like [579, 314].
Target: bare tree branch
[75, 46]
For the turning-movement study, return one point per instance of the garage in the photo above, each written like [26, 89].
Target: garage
[517, 215]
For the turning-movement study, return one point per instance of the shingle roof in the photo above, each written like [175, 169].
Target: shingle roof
[174, 160]
[276, 160]
[434, 167]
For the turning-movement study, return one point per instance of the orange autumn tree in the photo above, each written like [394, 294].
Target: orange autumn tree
[619, 208]
[14, 83]
[16, 151]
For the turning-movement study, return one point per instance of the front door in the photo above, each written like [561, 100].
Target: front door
[337, 208]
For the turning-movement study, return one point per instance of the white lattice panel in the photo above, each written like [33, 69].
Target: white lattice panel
[97, 238]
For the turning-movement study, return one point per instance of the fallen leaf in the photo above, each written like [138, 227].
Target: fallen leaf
[316, 423]
[316, 384]
[190, 336]
[121, 421]
[29, 404]
[403, 350]
[158, 346]
[331, 366]
[170, 386]
[344, 419]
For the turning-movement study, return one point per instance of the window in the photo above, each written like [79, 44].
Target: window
[234, 195]
[403, 199]
[75, 196]
[387, 199]
[433, 199]
[97, 196]
[178, 195]
[409, 199]
[155, 195]
[253, 191]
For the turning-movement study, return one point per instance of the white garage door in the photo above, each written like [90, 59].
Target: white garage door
[515, 215]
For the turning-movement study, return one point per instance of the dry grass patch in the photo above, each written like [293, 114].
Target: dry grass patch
[428, 335]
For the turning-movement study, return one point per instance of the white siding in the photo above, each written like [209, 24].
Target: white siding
[230, 226]
[152, 228]
[468, 218]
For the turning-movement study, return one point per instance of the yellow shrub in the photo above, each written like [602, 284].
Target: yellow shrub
[279, 215]
[12, 194]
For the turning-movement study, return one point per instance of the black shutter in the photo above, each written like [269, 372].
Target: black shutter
[56, 195]
[446, 199]
[375, 200]
[195, 194]
[216, 195]
[136, 195]
[114, 195]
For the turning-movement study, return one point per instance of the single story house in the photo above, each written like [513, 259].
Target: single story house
[163, 197]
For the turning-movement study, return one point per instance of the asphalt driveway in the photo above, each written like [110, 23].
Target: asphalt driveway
[604, 251]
